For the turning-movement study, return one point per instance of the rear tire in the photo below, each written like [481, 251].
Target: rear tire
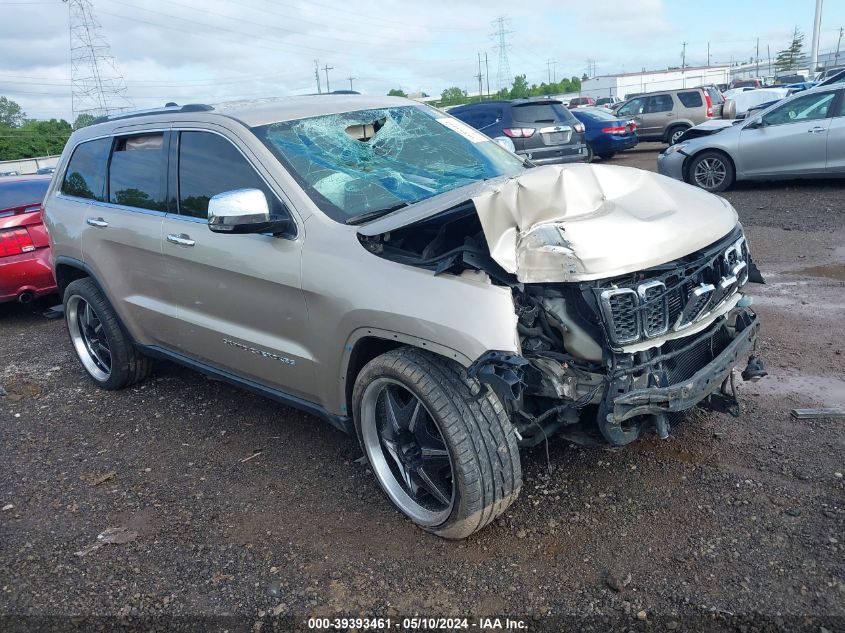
[103, 348]
[711, 171]
[411, 407]
[590, 154]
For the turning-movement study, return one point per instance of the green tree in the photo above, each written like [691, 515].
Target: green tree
[519, 88]
[34, 138]
[788, 58]
[11, 114]
[83, 120]
[453, 96]
[396, 92]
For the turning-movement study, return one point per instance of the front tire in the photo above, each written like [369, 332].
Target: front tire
[675, 133]
[102, 346]
[712, 171]
[440, 444]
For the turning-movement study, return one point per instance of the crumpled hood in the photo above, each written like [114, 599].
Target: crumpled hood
[582, 222]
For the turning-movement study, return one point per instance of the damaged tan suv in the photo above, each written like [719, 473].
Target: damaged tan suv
[382, 265]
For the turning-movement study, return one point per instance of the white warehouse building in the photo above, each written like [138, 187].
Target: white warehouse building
[651, 81]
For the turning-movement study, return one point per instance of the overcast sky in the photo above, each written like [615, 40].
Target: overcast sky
[211, 50]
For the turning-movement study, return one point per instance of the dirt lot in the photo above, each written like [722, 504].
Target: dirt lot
[728, 516]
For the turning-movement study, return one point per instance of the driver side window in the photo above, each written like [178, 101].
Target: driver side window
[209, 164]
[805, 108]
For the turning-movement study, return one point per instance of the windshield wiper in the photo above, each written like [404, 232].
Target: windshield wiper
[372, 215]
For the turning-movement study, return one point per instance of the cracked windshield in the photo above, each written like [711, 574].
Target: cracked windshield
[370, 162]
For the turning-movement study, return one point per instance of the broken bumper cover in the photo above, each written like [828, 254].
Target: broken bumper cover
[688, 393]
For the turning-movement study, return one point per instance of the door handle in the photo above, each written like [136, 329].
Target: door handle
[181, 239]
[100, 223]
[816, 130]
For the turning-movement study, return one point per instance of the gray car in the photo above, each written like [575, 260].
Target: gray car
[390, 269]
[802, 136]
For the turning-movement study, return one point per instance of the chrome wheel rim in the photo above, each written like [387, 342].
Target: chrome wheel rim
[710, 173]
[407, 452]
[89, 338]
[675, 136]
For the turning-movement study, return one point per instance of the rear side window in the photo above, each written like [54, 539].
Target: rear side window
[660, 103]
[86, 173]
[691, 99]
[138, 172]
[715, 96]
[22, 192]
[542, 113]
[209, 164]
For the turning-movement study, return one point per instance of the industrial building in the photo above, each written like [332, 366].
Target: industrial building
[649, 81]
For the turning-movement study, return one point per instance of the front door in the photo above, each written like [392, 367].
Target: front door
[238, 297]
[789, 140]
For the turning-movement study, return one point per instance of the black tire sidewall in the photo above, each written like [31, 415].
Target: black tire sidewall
[120, 346]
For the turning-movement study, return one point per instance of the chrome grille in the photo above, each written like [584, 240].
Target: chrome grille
[654, 308]
[677, 299]
[620, 308]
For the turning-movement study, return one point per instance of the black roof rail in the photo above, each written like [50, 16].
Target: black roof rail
[169, 107]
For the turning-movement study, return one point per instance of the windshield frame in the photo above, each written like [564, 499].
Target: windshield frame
[493, 160]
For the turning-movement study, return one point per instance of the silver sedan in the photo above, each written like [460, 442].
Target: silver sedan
[802, 136]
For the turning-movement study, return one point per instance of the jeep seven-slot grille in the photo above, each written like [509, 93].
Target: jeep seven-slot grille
[671, 301]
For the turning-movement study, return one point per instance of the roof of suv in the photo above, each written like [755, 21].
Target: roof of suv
[254, 112]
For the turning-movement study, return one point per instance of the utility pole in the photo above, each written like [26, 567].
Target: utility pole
[684, 57]
[327, 68]
[317, 76]
[814, 51]
[549, 63]
[350, 78]
[758, 56]
[487, 70]
[478, 76]
[838, 42]
[769, 56]
[708, 54]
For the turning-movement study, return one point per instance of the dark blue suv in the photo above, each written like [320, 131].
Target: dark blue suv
[542, 130]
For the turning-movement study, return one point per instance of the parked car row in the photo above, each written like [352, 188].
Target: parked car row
[801, 136]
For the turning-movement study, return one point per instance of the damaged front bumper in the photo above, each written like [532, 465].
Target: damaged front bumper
[686, 394]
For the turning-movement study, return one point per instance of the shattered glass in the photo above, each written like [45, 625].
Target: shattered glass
[371, 160]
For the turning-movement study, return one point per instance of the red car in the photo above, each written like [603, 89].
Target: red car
[25, 271]
[582, 102]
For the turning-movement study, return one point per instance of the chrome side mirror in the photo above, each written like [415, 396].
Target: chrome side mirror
[244, 211]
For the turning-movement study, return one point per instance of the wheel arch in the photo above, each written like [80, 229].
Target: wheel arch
[67, 270]
[365, 344]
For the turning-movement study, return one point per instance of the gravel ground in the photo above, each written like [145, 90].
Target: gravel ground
[728, 517]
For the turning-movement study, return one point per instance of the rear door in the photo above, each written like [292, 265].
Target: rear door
[238, 297]
[792, 139]
[119, 187]
[836, 138]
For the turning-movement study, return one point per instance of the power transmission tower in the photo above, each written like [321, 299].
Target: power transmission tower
[478, 76]
[550, 64]
[317, 76]
[327, 68]
[500, 35]
[97, 86]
